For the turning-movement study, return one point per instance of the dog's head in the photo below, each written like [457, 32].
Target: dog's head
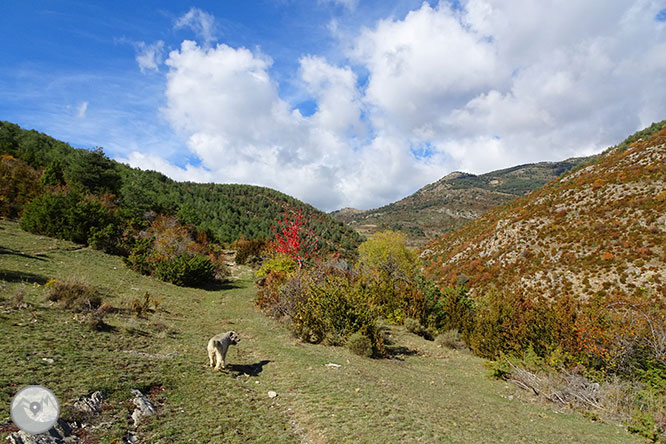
[234, 338]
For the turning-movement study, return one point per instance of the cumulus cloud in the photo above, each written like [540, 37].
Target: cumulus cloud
[149, 56]
[486, 85]
[202, 23]
[156, 163]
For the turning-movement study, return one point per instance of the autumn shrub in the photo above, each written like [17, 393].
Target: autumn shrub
[141, 306]
[95, 318]
[74, 294]
[168, 250]
[19, 184]
[624, 337]
[278, 263]
[293, 237]
[248, 250]
[511, 323]
[322, 303]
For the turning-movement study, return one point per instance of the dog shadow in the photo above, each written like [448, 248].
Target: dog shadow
[247, 369]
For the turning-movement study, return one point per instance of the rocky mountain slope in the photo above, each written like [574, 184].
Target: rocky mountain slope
[597, 231]
[454, 200]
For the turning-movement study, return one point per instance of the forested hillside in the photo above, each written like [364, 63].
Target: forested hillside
[33, 161]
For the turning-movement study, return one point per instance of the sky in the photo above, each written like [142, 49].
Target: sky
[340, 103]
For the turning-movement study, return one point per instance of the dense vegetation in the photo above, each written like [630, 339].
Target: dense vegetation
[574, 274]
[85, 197]
[335, 302]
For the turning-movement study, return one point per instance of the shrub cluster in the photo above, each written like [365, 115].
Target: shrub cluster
[175, 253]
[249, 251]
[334, 302]
[611, 336]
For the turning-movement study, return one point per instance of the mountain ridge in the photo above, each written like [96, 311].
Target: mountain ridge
[454, 200]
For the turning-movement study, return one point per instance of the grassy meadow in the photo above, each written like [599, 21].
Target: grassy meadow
[423, 393]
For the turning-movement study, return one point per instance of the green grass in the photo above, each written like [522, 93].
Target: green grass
[424, 394]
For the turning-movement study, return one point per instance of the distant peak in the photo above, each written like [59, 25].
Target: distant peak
[455, 175]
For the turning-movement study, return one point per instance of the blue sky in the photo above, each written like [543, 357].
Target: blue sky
[336, 102]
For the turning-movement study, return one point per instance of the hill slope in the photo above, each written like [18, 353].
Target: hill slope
[454, 200]
[596, 231]
[228, 212]
[424, 394]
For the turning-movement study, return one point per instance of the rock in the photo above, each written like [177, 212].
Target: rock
[272, 394]
[90, 404]
[61, 433]
[144, 406]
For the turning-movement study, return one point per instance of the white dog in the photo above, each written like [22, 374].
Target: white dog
[218, 346]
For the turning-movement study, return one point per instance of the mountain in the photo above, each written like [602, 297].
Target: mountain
[454, 200]
[597, 231]
[226, 212]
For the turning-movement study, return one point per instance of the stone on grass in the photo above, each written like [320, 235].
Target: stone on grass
[91, 404]
[144, 406]
[60, 433]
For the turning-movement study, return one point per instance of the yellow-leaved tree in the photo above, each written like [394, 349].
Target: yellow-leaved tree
[388, 272]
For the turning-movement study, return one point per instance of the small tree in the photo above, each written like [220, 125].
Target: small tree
[294, 238]
[388, 269]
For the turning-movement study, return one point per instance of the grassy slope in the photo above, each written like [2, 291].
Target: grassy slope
[425, 394]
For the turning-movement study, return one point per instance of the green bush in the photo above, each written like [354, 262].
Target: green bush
[186, 270]
[450, 339]
[65, 215]
[360, 344]
[413, 326]
[139, 258]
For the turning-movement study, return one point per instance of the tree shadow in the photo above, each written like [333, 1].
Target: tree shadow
[5, 250]
[247, 369]
[219, 286]
[398, 351]
[22, 276]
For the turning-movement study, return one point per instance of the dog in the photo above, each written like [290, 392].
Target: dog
[218, 346]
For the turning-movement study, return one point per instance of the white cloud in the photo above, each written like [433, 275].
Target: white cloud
[338, 99]
[149, 56]
[486, 86]
[422, 65]
[156, 163]
[202, 23]
[81, 109]
[349, 4]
